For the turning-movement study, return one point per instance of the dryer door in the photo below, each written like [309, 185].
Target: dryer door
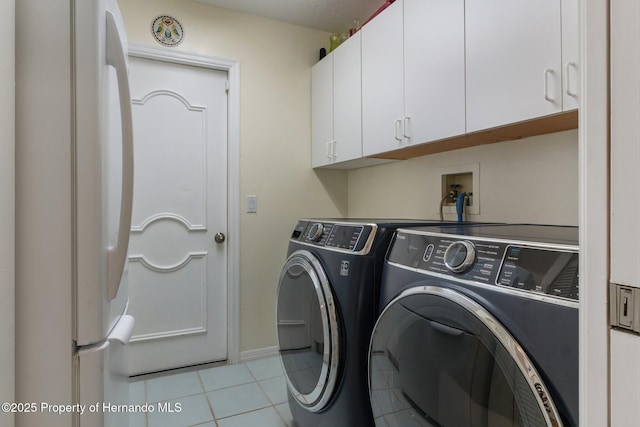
[308, 335]
[438, 358]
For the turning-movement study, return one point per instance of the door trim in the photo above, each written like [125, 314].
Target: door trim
[232, 68]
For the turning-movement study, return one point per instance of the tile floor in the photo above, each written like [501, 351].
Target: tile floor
[248, 394]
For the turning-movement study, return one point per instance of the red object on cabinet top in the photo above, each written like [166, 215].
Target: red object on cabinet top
[386, 4]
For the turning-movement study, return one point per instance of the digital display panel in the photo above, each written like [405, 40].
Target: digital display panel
[408, 249]
[344, 236]
[539, 270]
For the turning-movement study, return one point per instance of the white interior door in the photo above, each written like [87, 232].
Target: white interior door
[177, 269]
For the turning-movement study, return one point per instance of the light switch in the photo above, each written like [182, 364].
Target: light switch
[252, 204]
[625, 308]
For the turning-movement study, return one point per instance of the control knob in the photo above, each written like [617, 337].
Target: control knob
[315, 232]
[460, 256]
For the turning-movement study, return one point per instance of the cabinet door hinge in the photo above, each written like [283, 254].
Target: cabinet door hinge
[226, 86]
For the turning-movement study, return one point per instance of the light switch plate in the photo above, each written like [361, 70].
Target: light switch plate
[252, 204]
[624, 307]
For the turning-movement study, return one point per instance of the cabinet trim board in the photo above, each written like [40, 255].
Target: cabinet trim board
[534, 127]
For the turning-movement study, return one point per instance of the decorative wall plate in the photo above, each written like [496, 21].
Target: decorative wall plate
[167, 30]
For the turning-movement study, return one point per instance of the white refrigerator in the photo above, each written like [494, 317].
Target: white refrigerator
[74, 191]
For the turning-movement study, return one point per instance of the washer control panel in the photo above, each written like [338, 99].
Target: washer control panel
[340, 236]
[527, 266]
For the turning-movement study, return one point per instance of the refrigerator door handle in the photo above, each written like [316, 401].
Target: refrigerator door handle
[121, 333]
[117, 255]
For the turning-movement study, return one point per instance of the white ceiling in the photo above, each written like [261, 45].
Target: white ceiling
[334, 16]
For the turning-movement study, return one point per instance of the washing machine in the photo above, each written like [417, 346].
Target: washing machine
[327, 303]
[478, 326]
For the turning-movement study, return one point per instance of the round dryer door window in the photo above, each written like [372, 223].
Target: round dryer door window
[438, 358]
[308, 336]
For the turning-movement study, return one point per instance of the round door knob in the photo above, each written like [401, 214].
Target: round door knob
[220, 237]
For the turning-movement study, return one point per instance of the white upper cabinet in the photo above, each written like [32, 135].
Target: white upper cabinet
[336, 105]
[513, 61]
[347, 100]
[413, 74]
[570, 49]
[434, 93]
[432, 70]
[383, 82]
[322, 112]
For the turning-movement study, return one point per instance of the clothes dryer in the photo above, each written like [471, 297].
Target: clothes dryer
[327, 303]
[478, 327]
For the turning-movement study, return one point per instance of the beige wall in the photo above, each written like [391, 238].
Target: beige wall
[7, 181]
[533, 180]
[275, 131]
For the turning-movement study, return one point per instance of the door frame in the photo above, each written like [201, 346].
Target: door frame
[232, 68]
[593, 138]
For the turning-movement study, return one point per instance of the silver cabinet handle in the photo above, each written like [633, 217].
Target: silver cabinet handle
[220, 238]
[405, 131]
[546, 84]
[568, 73]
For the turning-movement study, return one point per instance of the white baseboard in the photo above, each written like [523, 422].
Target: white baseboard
[258, 353]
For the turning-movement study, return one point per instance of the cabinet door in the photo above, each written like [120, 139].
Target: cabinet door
[382, 82]
[513, 61]
[434, 69]
[570, 49]
[347, 100]
[322, 112]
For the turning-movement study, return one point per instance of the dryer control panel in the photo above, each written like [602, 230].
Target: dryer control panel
[340, 236]
[536, 267]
